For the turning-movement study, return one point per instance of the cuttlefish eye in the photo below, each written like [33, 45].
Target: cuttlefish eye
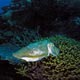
[51, 45]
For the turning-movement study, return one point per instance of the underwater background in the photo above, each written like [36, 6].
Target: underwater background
[4, 3]
[23, 22]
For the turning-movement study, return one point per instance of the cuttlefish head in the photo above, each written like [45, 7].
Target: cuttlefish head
[52, 49]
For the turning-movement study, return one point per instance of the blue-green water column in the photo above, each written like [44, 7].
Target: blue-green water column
[29, 1]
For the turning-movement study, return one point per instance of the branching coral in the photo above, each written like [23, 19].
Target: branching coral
[25, 37]
[65, 66]
[22, 70]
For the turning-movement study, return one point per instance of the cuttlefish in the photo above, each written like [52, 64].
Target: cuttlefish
[36, 51]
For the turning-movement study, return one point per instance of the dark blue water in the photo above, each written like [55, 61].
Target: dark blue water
[7, 50]
[4, 3]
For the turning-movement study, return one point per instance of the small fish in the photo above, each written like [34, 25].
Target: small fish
[36, 51]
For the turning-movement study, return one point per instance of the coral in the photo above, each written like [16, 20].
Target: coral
[65, 66]
[22, 70]
[53, 14]
[24, 37]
